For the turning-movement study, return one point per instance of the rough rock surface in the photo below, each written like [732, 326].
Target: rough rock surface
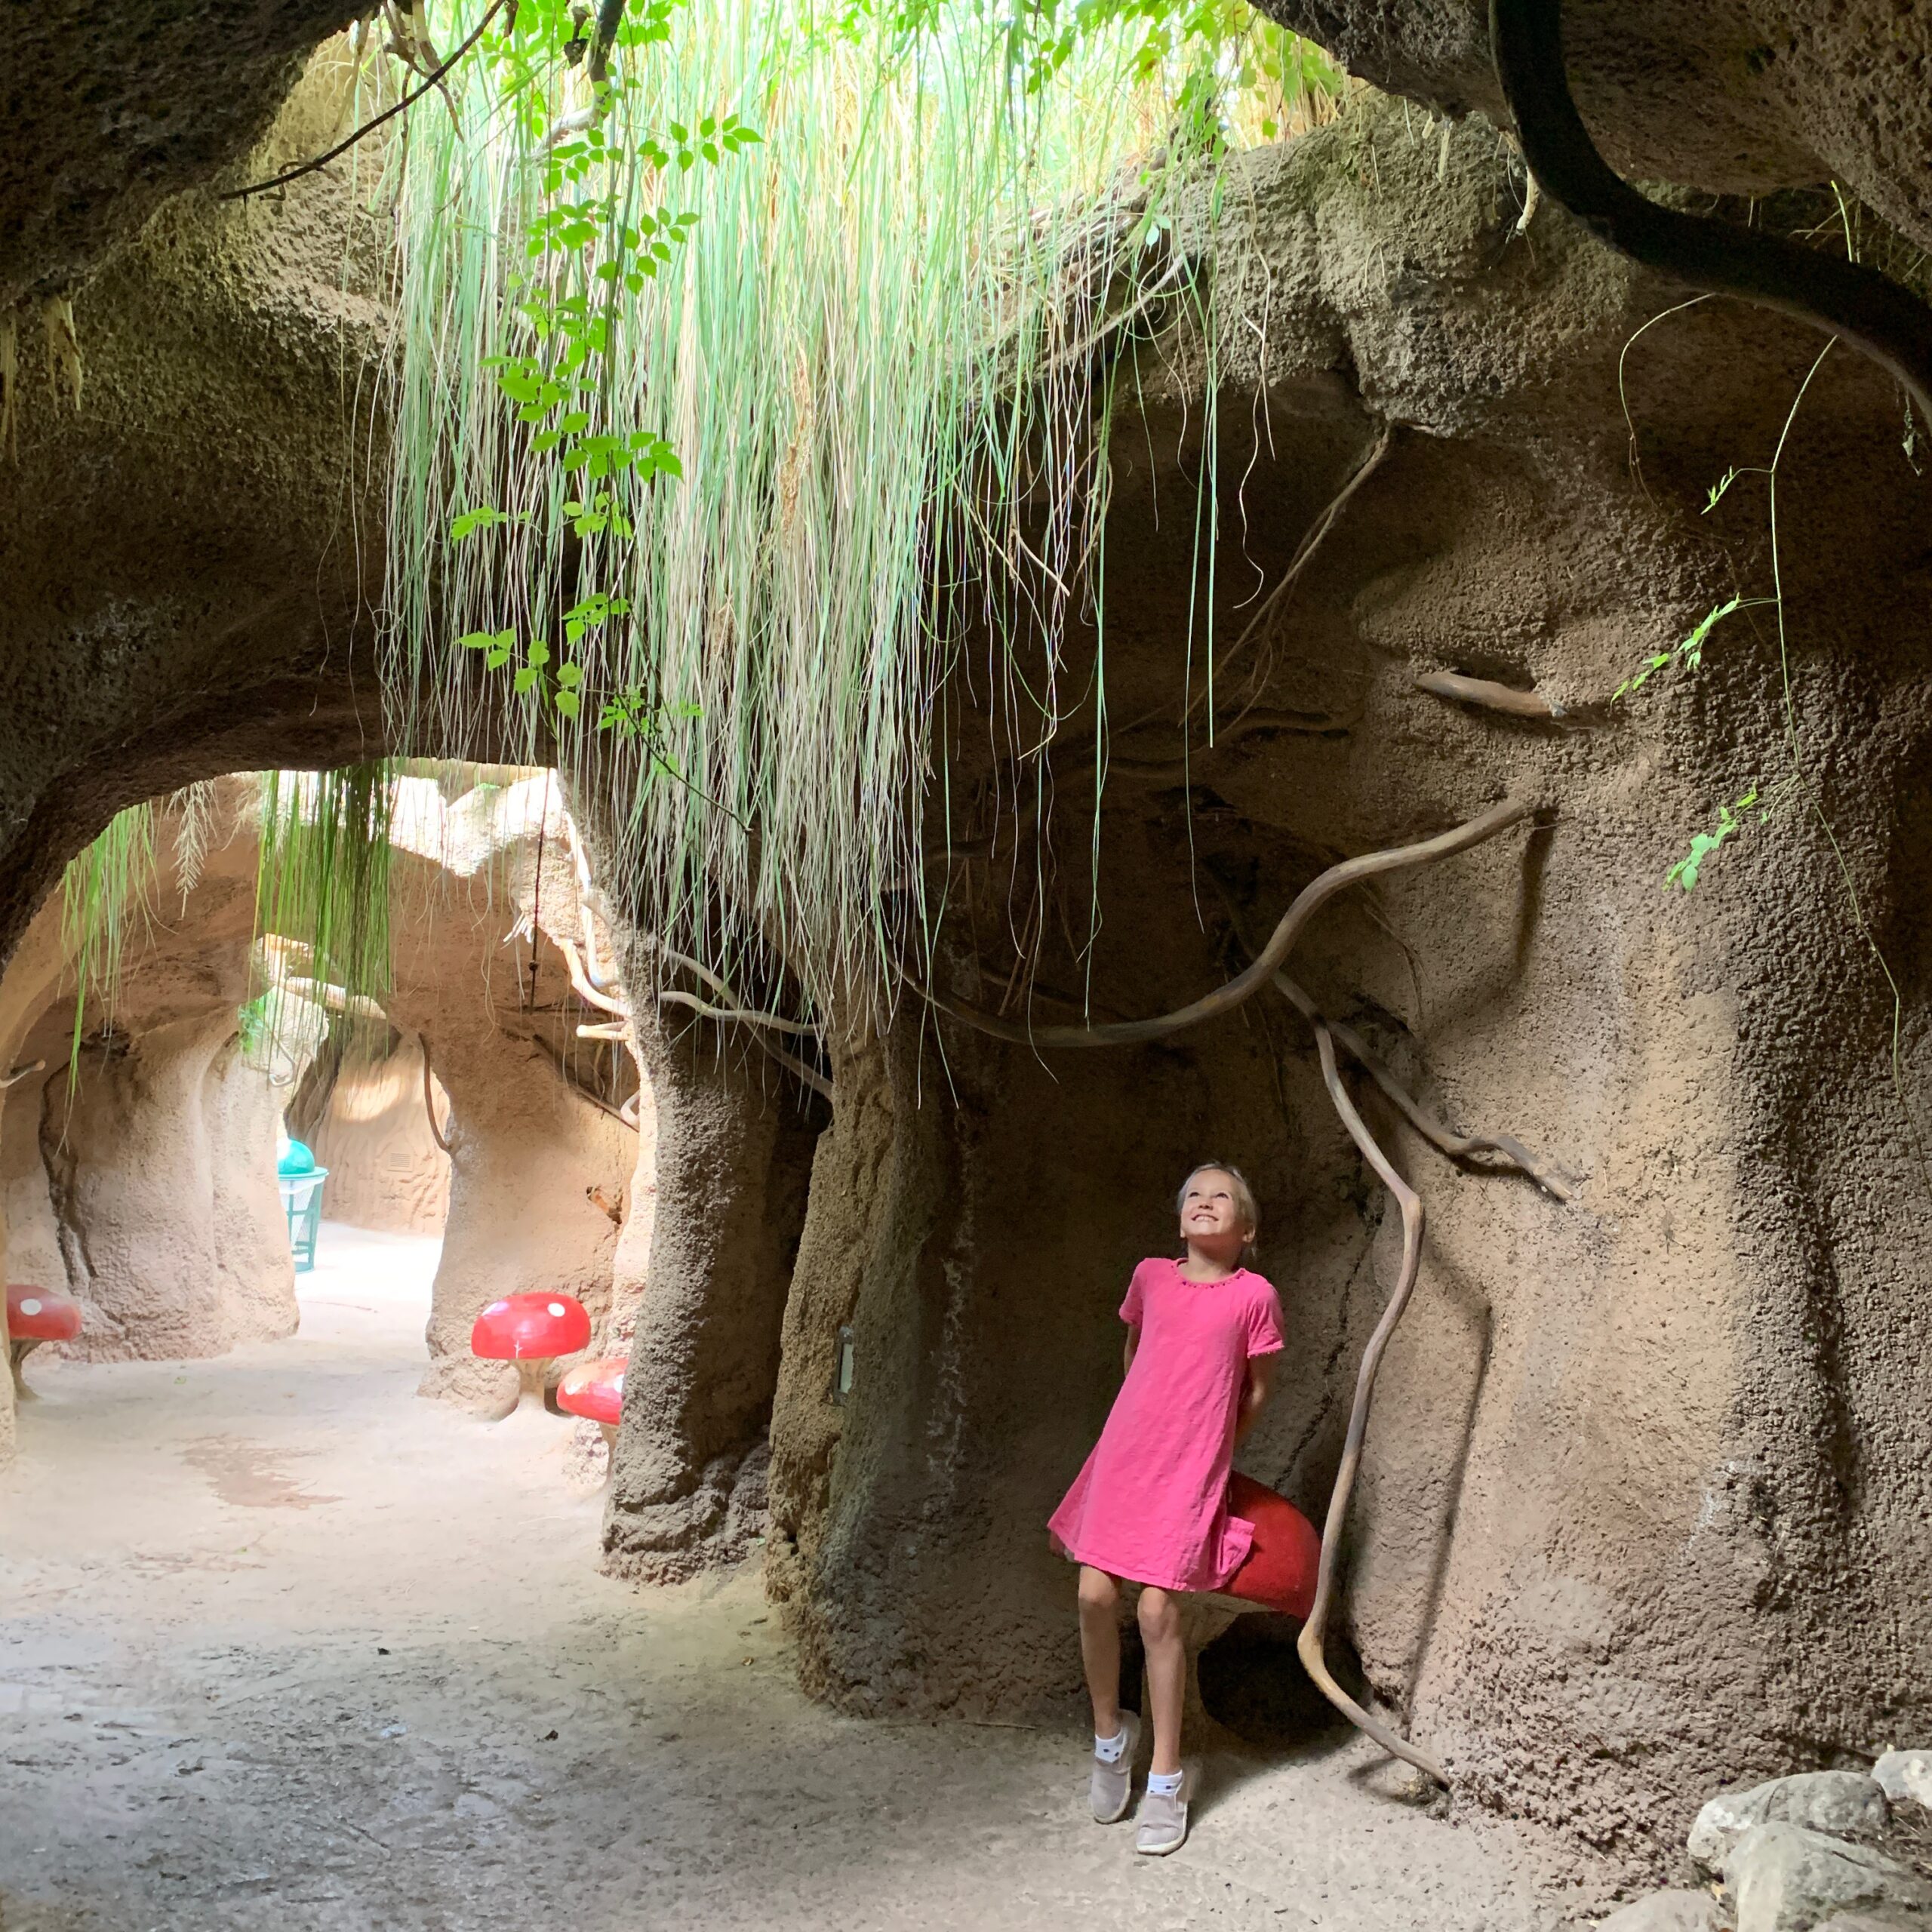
[386, 1171]
[146, 1188]
[1667, 1912]
[1876, 1918]
[109, 115]
[1784, 1878]
[1636, 1465]
[1844, 1804]
[1906, 1774]
[734, 1155]
[538, 1165]
[169, 616]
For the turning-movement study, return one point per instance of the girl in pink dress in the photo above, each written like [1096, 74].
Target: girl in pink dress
[1151, 1504]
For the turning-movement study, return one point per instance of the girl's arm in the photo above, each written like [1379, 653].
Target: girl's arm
[1253, 1395]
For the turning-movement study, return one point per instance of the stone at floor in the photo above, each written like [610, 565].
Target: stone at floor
[1667, 1912]
[1842, 1803]
[1906, 1774]
[1782, 1877]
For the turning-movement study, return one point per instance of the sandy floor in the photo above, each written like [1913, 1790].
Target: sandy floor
[285, 1648]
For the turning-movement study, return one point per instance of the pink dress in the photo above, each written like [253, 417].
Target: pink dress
[1150, 1503]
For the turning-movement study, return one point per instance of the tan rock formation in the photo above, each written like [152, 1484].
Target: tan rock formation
[145, 1185]
[539, 1165]
[386, 1170]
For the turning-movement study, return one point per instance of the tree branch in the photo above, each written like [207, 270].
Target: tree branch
[368, 127]
[1243, 987]
[1486, 693]
[1456, 1146]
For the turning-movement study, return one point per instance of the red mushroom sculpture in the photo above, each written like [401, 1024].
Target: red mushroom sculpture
[35, 1315]
[531, 1328]
[596, 1389]
[1282, 1562]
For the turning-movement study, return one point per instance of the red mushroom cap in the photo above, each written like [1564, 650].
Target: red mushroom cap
[1280, 1567]
[530, 1327]
[595, 1388]
[39, 1315]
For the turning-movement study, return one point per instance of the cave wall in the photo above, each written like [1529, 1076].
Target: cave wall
[733, 1159]
[172, 614]
[1742, 99]
[1639, 1513]
[386, 1171]
[1643, 1505]
[539, 1166]
[143, 1183]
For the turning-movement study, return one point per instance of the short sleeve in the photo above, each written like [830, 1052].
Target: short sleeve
[1134, 1310]
[1264, 1321]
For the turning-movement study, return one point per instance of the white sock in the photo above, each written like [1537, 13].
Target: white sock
[1164, 1784]
[1109, 1749]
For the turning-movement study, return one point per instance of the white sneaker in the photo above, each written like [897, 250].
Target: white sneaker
[1164, 1819]
[1111, 1790]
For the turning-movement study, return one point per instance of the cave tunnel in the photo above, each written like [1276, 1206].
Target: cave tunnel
[761, 700]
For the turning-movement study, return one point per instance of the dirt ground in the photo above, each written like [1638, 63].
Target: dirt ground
[285, 1647]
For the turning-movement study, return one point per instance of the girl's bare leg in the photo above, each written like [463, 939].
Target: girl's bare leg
[1099, 1647]
[1166, 1673]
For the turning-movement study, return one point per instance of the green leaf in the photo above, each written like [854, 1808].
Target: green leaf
[474, 520]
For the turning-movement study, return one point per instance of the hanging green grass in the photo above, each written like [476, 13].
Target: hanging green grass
[743, 371]
[322, 899]
[107, 899]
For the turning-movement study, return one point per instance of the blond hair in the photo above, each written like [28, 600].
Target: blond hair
[1244, 1201]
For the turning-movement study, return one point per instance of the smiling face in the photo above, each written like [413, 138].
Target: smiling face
[1215, 1218]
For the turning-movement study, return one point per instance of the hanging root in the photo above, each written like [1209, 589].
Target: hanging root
[569, 1079]
[1456, 1146]
[64, 348]
[429, 1097]
[20, 1073]
[9, 379]
[1311, 1646]
[1243, 987]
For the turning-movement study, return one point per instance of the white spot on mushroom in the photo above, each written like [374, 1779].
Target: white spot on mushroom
[33, 1307]
[496, 1308]
[556, 1308]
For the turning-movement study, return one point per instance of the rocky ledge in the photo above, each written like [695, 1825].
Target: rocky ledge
[1846, 1850]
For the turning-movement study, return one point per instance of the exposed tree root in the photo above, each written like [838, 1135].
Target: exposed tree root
[1243, 986]
[1879, 317]
[1311, 1645]
[429, 1097]
[577, 1086]
[737, 1015]
[1490, 695]
[1456, 1146]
